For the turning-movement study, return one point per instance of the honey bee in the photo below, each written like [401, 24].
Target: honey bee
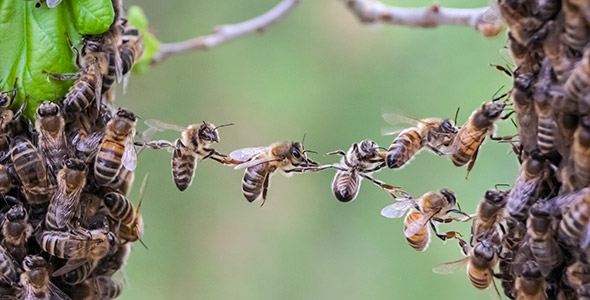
[65, 204]
[526, 115]
[576, 87]
[78, 274]
[129, 220]
[9, 269]
[360, 161]
[546, 130]
[16, 231]
[30, 169]
[490, 213]
[576, 33]
[131, 47]
[525, 189]
[573, 226]
[578, 274]
[195, 144]
[530, 285]
[7, 116]
[115, 261]
[99, 287]
[36, 281]
[430, 133]
[116, 148]
[480, 262]
[261, 162]
[52, 140]
[480, 124]
[432, 208]
[523, 26]
[562, 64]
[581, 153]
[6, 180]
[540, 228]
[77, 245]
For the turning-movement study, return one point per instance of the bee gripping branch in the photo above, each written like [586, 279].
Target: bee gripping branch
[224, 33]
[375, 12]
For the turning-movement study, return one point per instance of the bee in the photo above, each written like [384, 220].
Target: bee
[16, 231]
[430, 133]
[65, 204]
[6, 180]
[9, 269]
[480, 124]
[562, 64]
[261, 162]
[99, 287]
[131, 47]
[195, 144]
[7, 116]
[129, 220]
[77, 274]
[30, 169]
[77, 245]
[360, 161]
[116, 148]
[523, 26]
[576, 87]
[432, 208]
[530, 284]
[35, 281]
[115, 261]
[573, 226]
[577, 274]
[490, 213]
[576, 33]
[546, 130]
[124, 181]
[540, 228]
[525, 190]
[52, 140]
[526, 115]
[480, 262]
[581, 153]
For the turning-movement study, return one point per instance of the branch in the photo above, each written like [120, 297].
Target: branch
[375, 12]
[224, 33]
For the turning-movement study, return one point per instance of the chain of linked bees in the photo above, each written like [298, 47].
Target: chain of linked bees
[67, 225]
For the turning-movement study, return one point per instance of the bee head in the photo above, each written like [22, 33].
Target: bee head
[208, 132]
[5, 100]
[33, 262]
[493, 110]
[16, 213]
[484, 251]
[495, 196]
[449, 196]
[92, 43]
[367, 148]
[126, 114]
[530, 269]
[48, 108]
[540, 218]
[75, 164]
[447, 126]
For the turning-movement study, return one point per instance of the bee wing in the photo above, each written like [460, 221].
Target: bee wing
[245, 154]
[520, 193]
[91, 142]
[161, 125]
[494, 292]
[397, 119]
[118, 62]
[70, 265]
[53, 3]
[417, 225]
[450, 267]
[54, 293]
[129, 158]
[254, 162]
[492, 14]
[397, 209]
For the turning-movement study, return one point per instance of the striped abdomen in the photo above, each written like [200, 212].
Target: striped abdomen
[81, 94]
[120, 208]
[253, 181]
[79, 274]
[107, 288]
[8, 272]
[108, 161]
[403, 148]
[30, 168]
[184, 162]
[345, 185]
[57, 243]
[109, 77]
[420, 240]
[546, 134]
[581, 156]
[465, 143]
[480, 279]
[575, 220]
[131, 49]
[576, 30]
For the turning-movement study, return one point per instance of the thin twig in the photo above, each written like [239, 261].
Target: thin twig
[484, 19]
[224, 33]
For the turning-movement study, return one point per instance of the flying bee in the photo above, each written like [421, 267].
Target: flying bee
[576, 87]
[9, 269]
[65, 204]
[121, 209]
[195, 144]
[530, 284]
[116, 148]
[581, 153]
[540, 229]
[573, 228]
[36, 281]
[261, 162]
[7, 116]
[360, 161]
[480, 124]
[430, 133]
[16, 231]
[432, 208]
[532, 172]
[30, 169]
[52, 139]
[490, 213]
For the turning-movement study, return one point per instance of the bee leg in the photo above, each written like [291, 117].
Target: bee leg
[503, 138]
[446, 235]
[265, 189]
[461, 213]
[506, 116]
[57, 76]
[19, 112]
[337, 152]
[381, 184]
[472, 162]
[436, 151]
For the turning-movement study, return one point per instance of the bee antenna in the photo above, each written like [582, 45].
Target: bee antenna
[144, 245]
[513, 123]
[457, 114]
[310, 151]
[224, 125]
[459, 206]
[142, 191]
[303, 139]
[500, 184]
[496, 93]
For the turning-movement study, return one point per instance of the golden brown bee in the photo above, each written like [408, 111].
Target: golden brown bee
[65, 204]
[30, 168]
[16, 231]
[490, 213]
[261, 162]
[116, 148]
[129, 220]
[94, 244]
[9, 269]
[131, 47]
[430, 133]
[532, 172]
[360, 161]
[530, 284]
[194, 145]
[526, 115]
[540, 229]
[430, 209]
[547, 125]
[52, 139]
[573, 225]
[581, 153]
[35, 281]
[472, 134]
[562, 64]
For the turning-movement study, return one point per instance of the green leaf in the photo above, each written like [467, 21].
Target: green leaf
[35, 39]
[137, 18]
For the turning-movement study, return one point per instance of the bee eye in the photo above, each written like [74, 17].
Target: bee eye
[29, 263]
[296, 153]
[3, 101]
[69, 164]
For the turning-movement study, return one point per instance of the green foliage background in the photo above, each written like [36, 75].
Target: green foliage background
[317, 71]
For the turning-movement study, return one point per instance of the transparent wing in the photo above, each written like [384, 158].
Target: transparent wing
[520, 193]
[254, 162]
[161, 126]
[494, 292]
[450, 267]
[53, 3]
[91, 142]
[70, 265]
[245, 154]
[492, 15]
[129, 158]
[118, 62]
[397, 119]
[397, 209]
[417, 225]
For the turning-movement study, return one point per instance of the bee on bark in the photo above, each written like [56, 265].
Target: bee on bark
[194, 145]
[581, 153]
[16, 231]
[430, 209]
[360, 161]
[490, 213]
[530, 284]
[431, 133]
[52, 140]
[36, 281]
[65, 204]
[31, 170]
[261, 162]
[540, 229]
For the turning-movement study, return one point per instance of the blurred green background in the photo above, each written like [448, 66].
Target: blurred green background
[317, 71]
